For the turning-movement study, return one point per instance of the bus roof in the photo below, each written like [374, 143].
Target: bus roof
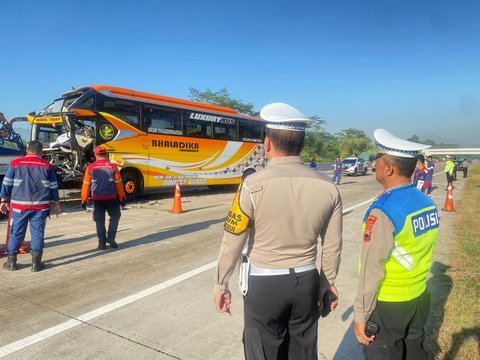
[122, 93]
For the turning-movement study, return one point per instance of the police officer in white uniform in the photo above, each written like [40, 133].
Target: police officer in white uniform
[289, 216]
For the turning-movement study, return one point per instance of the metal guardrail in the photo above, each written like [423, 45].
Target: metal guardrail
[453, 150]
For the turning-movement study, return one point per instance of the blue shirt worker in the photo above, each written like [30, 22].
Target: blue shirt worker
[287, 215]
[399, 234]
[337, 170]
[30, 184]
[430, 164]
[102, 184]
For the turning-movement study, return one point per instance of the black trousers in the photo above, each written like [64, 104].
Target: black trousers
[281, 314]
[401, 330]
[112, 207]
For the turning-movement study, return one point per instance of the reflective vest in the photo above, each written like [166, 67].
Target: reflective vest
[449, 167]
[415, 220]
[104, 182]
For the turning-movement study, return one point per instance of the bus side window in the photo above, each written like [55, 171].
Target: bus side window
[250, 131]
[162, 121]
[225, 132]
[123, 109]
[201, 129]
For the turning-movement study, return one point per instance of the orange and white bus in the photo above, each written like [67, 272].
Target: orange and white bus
[154, 140]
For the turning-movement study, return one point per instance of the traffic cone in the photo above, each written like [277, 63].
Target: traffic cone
[177, 200]
[449, 200]
[24, 247]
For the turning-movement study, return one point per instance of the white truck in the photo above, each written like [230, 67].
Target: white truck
[354, 166]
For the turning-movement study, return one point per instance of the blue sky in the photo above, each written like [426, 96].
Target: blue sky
[412, 67]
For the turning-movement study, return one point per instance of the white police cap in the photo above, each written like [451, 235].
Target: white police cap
[284, 117]
[389, 144]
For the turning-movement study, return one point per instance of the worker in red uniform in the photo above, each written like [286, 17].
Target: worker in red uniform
[103, 185]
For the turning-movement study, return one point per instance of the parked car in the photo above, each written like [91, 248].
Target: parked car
[354, 166]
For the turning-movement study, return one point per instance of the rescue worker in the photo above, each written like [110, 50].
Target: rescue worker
[103, 184]
[282, 211]
[337, 170]
[449, 170]
[422, 178]
[399, 234]
[30, 184]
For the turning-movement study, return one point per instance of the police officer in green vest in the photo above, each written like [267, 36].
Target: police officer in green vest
[399, 234]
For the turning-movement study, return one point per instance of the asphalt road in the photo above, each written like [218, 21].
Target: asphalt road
[152, 297]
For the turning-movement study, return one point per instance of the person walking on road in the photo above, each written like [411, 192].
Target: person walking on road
[465, 168]
[103, 184]
[449, 170]
[30, 184]
[399, 234]
[455, 168]
[337, 170]
[430, 164]
[281, 213]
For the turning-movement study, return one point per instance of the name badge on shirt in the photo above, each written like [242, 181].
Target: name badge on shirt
[420, 184]
[424, 222]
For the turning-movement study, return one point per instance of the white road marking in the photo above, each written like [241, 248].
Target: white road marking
[45, 334]
[347, 210]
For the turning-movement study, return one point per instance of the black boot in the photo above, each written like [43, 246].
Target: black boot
[102, 246]
[37, 263]
[11, 263]
[113, 244]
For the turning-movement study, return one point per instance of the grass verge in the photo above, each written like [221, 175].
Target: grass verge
[457, 316]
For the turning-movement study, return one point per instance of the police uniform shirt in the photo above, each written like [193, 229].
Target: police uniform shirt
[378, 243]
[282, 211]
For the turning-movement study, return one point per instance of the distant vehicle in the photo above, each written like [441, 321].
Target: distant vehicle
[11, 144]
[354, 166]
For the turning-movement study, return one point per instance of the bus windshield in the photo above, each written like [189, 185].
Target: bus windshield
[64, 104]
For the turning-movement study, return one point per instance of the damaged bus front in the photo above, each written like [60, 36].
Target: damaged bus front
[67, 133]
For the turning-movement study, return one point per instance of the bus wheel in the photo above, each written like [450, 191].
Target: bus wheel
[131, 183]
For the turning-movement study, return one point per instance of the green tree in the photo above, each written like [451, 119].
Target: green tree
[320, 145]
[351, 134]
[223, 98]
[352, 142]
[414, 138]
[429, 142]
